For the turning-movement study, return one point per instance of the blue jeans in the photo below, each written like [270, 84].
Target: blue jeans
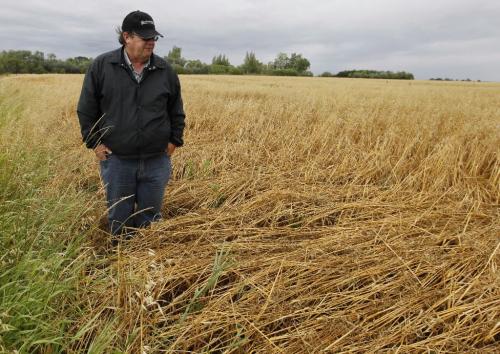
[134, 190]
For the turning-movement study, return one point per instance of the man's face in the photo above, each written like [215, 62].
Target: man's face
[139, 48]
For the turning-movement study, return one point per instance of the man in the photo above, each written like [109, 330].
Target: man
[131, 114]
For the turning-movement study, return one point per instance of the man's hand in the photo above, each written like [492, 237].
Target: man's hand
[101, 151]
[170, 149]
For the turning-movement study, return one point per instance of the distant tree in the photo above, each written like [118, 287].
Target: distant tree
[196, 67]
[299, 63]
[15, 61]
[327, 74]
[219, 69]
[35, 63]
[282, 61]
[24, 61]
[220, 59]
[77, 65]
[235, 71]
[251, 65]
[174, 57]
[284, 72]
[294, 65]
[373, 74]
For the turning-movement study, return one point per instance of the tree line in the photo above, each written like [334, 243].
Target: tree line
[448, 79]
[26, 62]
[295, 64]
[371, 74]
[282, 65]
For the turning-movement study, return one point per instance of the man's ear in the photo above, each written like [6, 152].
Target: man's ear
[127, 36]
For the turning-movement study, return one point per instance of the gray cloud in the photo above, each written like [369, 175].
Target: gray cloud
[459, 39]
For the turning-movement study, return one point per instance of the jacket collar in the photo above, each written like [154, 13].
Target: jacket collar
[117, 57]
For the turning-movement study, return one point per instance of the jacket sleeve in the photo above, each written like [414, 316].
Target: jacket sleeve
[176, 114]
[88, 109]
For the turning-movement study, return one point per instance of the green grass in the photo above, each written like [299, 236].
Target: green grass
[40, 247]
[221, 263]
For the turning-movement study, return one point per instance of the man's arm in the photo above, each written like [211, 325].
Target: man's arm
[177, 115]
[88, 109]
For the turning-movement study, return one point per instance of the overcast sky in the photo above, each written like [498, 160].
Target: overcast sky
[429, 38]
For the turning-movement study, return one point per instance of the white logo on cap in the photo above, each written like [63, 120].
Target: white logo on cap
[147, 23]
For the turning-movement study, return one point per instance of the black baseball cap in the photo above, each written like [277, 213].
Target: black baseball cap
[141, 23]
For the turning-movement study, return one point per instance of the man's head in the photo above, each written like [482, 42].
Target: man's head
[138, 34]
[140, 23]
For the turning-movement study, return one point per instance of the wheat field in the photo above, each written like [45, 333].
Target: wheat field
[304, 215]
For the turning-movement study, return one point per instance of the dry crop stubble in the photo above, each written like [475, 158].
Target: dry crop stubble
[357, 215]
[309, 215]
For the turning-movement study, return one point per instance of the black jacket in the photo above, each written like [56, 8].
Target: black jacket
[134, 120]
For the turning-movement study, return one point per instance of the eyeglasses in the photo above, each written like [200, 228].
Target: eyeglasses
[155, 38]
